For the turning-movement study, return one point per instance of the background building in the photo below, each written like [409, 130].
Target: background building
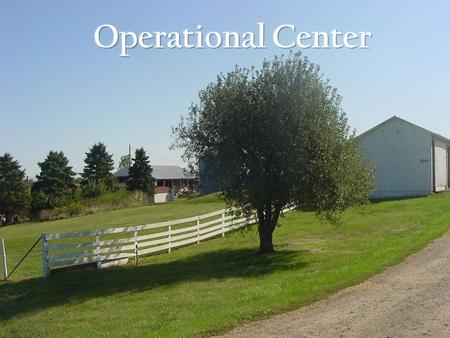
[408, 160]
[162, 195]
[171, 176]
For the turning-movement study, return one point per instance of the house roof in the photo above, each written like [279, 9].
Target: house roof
[161, 172]
[396, 118]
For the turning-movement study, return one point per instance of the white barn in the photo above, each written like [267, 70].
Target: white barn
[408, 160]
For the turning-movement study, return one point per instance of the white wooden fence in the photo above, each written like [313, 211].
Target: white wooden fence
[97, 246]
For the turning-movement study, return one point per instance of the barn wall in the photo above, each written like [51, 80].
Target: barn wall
[401, 156]
[440, 167]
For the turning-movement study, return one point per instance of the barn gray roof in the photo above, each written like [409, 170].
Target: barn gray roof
[160, 172]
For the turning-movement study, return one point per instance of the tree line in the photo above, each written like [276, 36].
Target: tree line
[57, 185]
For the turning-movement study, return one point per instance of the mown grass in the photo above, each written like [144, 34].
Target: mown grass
[19, 238]
[218, 284]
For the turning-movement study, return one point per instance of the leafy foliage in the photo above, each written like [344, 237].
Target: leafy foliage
[94, 188]
[274, 137]
[124, 161]
[14, 192]
[99, 166]
[55, 185]
[140, 174]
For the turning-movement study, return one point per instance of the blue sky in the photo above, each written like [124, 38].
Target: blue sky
[59, 91]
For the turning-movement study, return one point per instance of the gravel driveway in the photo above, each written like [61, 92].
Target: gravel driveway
[411, 299]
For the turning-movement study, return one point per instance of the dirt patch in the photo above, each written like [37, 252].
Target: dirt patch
[411, 299]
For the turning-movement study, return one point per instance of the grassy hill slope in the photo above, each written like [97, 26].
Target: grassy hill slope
[19, 238]
[217, 284]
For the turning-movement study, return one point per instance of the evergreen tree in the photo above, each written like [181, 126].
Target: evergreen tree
[55, 185]
[14, 192]
[99, 164]
[140, 174]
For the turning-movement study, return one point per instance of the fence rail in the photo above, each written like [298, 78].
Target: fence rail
[98, 246]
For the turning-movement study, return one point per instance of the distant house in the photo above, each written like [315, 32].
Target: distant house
[408, 160]
[173, 177]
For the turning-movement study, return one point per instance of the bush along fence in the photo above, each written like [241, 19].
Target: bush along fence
[117, 245]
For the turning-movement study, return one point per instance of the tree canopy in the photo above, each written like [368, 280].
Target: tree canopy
[14, 192]
[124, 161]
[99, 166]
[55, 185]
[140, 174]
[273, 137]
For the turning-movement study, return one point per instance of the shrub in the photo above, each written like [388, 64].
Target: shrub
[94, 188]
[106, 201]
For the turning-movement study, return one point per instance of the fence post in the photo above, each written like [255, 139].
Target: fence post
[198, 229]
[136, 248]
[4, 264]
[169, 228]
[223, 224]
[97, 248]
[45, 269]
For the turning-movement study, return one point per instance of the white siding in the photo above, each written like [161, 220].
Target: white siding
[163, 197]
[441, 162]
[401, 155]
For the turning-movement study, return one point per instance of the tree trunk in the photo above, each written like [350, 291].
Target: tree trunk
[267, 219]
[265, 242]
[8, 217]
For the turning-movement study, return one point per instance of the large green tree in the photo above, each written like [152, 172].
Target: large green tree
[55, 184]
[99, 166]
[14, 191]
[140, 174]
[273, 137]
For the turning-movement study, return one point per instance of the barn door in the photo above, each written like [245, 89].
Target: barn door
[448, 166]
[440, 166]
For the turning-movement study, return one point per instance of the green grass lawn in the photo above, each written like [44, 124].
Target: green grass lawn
[19, 238]
[213, 286]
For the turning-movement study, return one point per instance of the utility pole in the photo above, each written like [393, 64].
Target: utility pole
[129, 155]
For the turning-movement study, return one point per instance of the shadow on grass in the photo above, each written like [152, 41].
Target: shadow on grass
[378, 200]
[77, 286]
